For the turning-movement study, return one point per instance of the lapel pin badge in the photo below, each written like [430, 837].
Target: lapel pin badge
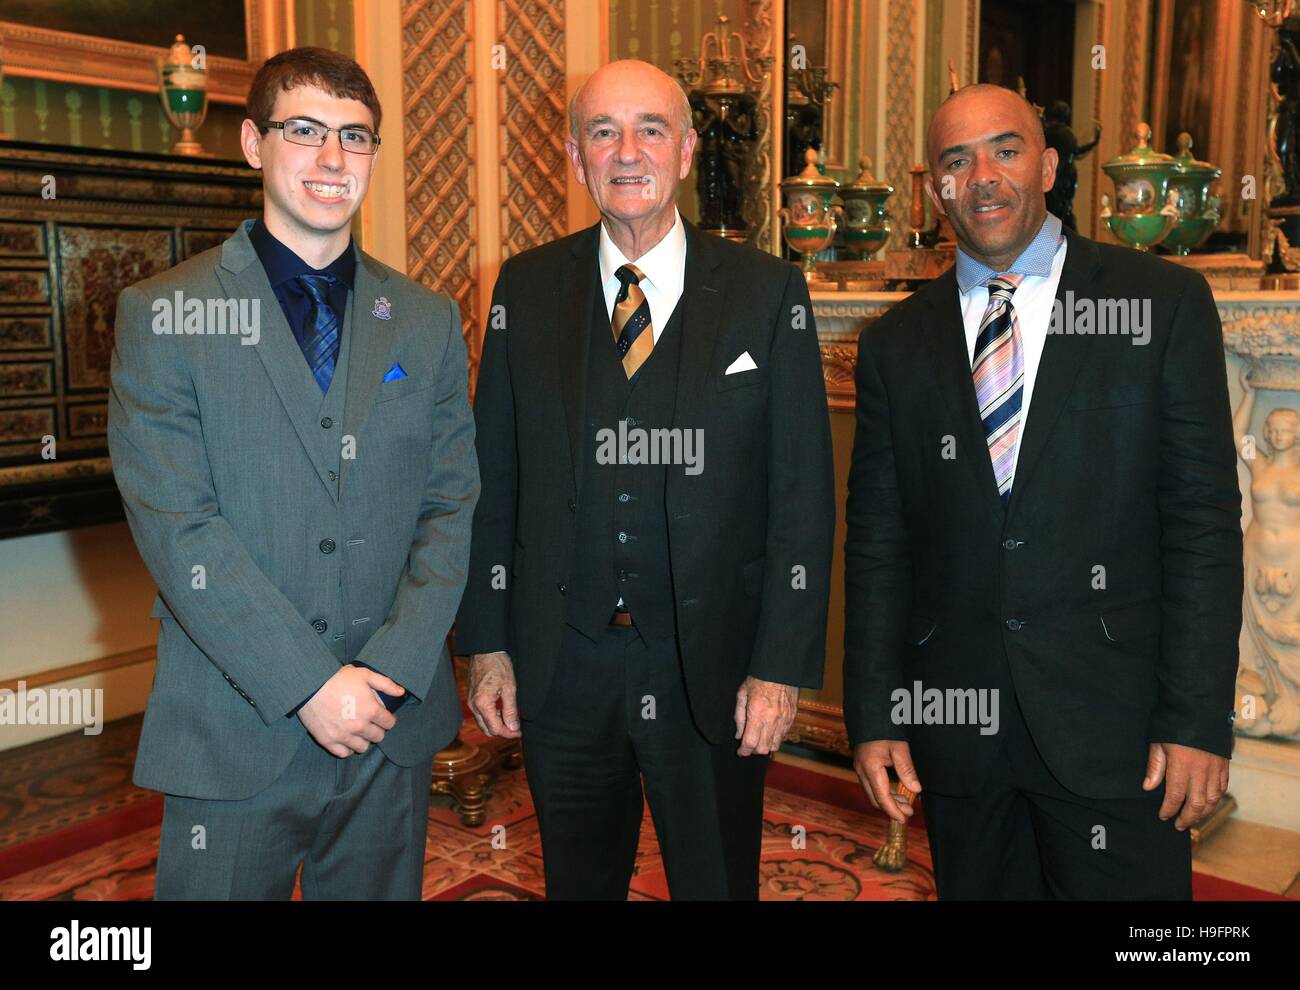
[382, 308]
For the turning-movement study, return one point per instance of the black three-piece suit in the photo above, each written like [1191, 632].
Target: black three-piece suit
[724, 567]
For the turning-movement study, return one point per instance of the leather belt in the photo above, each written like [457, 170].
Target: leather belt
[621, 617]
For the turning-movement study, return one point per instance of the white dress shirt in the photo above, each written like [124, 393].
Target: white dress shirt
[1032, 302]
[663, 268]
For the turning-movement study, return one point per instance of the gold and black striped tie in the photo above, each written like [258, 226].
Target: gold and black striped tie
[633, 334]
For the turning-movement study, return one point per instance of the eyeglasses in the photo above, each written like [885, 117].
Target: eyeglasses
[314, 134]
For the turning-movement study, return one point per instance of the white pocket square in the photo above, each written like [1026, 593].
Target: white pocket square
[742, 363]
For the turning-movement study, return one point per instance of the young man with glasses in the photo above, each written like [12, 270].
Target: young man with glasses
[304, 504]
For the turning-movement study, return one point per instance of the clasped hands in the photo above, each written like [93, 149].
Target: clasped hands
[346, 716]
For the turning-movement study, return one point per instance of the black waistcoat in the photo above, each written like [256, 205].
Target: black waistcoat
[622, 526]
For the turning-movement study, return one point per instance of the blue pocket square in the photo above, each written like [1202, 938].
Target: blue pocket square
[394, 373]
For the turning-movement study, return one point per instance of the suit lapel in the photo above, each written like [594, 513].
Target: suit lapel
[242, 277]
[945, 342]
[1063, 356]
[371, 341]
[701, 303]
[573, 323]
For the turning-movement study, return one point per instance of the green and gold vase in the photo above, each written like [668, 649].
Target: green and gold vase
[866, 222]
[1197, 213]
[183, 86]
[1144, 213]
[809, 219]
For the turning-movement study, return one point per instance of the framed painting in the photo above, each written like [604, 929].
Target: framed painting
[116, 43]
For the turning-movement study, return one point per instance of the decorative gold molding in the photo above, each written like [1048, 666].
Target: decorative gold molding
[839, 361]
[761, 29]
[837, 70]
[1135, 47]
[900, 102]
[972, 40]
[821, 726]
[1102, 32]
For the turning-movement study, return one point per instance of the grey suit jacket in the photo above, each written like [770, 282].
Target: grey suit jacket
[287, 541]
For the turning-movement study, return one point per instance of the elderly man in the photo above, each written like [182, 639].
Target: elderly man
[1044, 534]
[650, 559]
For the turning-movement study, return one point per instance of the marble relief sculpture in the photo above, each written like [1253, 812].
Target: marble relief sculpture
[1268, 680]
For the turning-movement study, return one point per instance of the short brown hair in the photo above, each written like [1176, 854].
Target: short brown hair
[331, 71]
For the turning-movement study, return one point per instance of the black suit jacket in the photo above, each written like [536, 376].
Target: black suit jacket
[750, 536]
[1108, 594]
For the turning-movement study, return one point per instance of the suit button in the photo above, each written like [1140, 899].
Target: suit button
[1008, 544]
[622, 537]
[1014, 624]
[327, 546]
[622, 575]
[326, 423]
[624, 497]
[562, 587]
[320, 625]
[573, 505]
[333, 476]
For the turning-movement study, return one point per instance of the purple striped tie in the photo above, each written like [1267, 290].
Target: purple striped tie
[999, 370]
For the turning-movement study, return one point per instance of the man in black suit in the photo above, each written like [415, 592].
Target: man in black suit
[651, 552]
[1043, 563]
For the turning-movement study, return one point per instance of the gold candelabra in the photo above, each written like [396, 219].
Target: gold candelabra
[726, 63]
[1273, 12]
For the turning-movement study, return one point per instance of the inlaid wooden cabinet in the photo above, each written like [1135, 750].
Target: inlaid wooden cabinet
[76, 227]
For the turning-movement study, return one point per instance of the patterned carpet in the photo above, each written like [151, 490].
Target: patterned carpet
[74, 827]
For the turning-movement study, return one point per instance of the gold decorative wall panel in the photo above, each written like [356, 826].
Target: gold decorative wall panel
[437, 74]
[534, 120]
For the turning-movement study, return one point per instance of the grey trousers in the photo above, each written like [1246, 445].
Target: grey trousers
[357, 826]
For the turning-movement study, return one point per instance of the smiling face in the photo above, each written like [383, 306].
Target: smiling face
[311, 192]
[989, 170]
[633, 146]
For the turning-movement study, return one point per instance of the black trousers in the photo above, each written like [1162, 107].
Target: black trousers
[1024, 836]
[616, 715]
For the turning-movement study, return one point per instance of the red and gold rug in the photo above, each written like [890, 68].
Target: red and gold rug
[74, 827]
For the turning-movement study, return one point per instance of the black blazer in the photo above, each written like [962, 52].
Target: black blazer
[750, 536]
[1108, 595]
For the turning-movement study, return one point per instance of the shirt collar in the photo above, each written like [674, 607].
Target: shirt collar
[661, 265]
[1036, 259]
[282, 264]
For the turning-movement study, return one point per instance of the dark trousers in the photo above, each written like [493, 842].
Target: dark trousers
[357, 826]
[1024, 836]
[616, 715]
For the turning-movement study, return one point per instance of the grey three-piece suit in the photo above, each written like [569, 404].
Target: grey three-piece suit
[292, 532]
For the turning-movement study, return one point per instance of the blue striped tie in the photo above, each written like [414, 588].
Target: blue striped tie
[321, 349]
[999, 370]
